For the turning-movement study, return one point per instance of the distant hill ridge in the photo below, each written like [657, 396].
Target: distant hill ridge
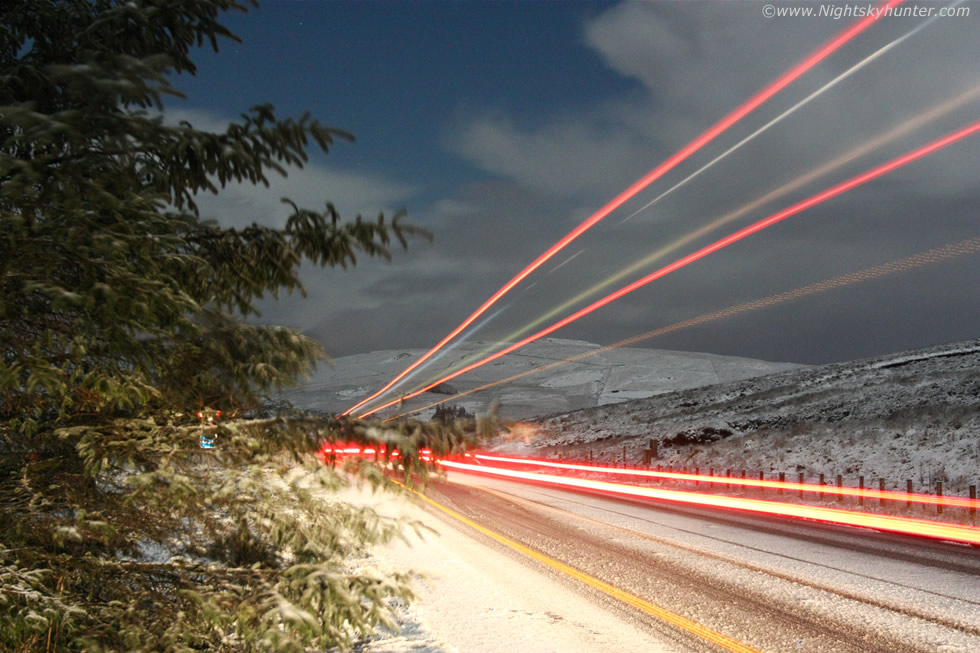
[604, 378]
[910, 415]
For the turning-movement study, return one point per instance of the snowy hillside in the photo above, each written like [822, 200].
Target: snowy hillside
[604, 378]
[913, 415]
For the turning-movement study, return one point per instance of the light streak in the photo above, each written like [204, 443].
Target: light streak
[755, 227]
[938, 255]
[566, 261]
[903, 525]
[868, 146]
[344, 450]
[692, 147]
[867, 493]
[450, 348]
[820, 91]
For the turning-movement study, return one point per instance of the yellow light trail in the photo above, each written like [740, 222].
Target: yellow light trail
[932, 256]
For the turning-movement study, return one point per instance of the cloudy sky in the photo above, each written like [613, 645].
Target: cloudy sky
[500, 126]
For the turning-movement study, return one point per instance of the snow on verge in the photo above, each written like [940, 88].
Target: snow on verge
[474, 597]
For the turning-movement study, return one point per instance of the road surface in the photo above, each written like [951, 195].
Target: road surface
[715, 580]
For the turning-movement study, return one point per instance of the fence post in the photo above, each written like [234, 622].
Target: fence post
[782, 479]
[973, 505]
[801, 483]
[590, 456]
[861, 487]
[908, 493]
[728, 474]
[624, 455]
[697, 472]
[840, 484]
[939, 495]
[881, 486]
[821, 486]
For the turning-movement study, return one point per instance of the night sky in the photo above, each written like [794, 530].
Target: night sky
[500, 126]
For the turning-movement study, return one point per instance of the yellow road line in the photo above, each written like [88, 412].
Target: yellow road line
[671, 618]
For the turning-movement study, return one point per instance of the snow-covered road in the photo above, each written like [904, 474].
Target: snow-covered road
[477, 597]
[772, 586]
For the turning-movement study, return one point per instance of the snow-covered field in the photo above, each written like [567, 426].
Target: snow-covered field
[908, 416]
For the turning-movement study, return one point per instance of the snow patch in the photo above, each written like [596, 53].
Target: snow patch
[573, 379]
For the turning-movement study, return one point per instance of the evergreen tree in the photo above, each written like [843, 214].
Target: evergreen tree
[122, 312]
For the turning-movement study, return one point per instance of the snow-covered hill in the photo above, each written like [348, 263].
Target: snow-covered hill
[912, 415]
[604, 378]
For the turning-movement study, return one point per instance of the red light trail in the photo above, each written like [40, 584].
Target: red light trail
[888, 495]
[765, 223]
[341, 450]
[903, 525]
[692, 147]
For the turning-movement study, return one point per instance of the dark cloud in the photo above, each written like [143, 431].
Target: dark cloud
[398, 325]
[692, 63]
